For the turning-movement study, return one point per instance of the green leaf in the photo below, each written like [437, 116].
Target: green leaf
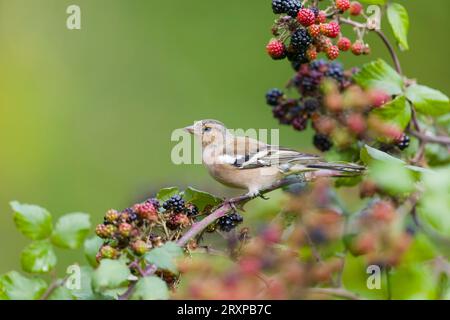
[110, 274]
[396, 112]
[379, 2]
[33, 221]
[14, 286]
[392, 177]
[61, 293]
[91, 247]
[164, 256]
[399, 21]
[150, 288]
[200, 199]
[427, 100]
[434, 205]
[378, 74]
[369, 154]
[166, 193]
[84, 292]
[71, 230]
[412, 282]
[38, 257]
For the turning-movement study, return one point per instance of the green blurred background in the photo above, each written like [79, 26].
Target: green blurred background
[86, 116]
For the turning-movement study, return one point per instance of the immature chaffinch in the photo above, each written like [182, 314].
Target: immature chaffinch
[246, 163]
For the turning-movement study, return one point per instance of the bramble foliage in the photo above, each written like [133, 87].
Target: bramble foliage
[329, 237]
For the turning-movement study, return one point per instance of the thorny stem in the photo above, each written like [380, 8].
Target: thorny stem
[228, 205]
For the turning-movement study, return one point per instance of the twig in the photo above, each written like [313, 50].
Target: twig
[52, 287]
[337, 292]
[229, 204]
[429, 138]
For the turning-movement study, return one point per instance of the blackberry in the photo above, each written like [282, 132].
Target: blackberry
[335, 71]
[299, 57]
[292, 7]
[191, 210]
[273, 96]
[278, 6]
[315, 10]
[403, 142]
[311, 105]
[154, 202]
[300, 39]
[299, 123]
[229, 222]
[175, 203]
[319, 65]
[322, 142]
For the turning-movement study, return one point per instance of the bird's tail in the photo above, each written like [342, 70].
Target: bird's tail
[344, 168]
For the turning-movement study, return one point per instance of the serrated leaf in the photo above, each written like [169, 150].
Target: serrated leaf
[33, 221]
[399, 20]
[427, 100]
[164, 257]
[91, 247]
[166, 193]
[110, 274]
[200, 199]
[150, 288]
[14, 286]
[38, 257]
[396, 112]
[378, 74]
[71, 230]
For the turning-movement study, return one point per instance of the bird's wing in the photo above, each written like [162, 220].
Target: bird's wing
[248, 153]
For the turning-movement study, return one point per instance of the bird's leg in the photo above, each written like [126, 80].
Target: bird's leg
[256, 194]
[263, 196]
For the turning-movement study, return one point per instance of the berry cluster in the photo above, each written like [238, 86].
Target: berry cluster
[338, 109]
[139, 228]
[229, 222]
[303, 32]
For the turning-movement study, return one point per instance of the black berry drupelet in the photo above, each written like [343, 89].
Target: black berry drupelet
[403, 142]
[175, 203]
[322, 142]
[292, 7]
[273, 96]
[229, 222]
[311, 105]
[335, 71]
[300, 39]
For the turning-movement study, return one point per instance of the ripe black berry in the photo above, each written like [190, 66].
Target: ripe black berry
[403, 142]
[273, 96]
[292, 7]
[175, 203]
[299, 123]
[191, 210]
[311, 105]
[298, 57]
[335, 71]
[322, 142]
[300, 39]
[229, 222]
[278, 6]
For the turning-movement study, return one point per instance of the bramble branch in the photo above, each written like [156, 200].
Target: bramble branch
[230, 204]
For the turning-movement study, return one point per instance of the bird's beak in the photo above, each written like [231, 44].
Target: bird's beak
[189, 129]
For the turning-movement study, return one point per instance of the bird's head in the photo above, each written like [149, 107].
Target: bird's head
[208, 131]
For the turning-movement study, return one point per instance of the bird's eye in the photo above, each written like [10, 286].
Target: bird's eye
[206, 129]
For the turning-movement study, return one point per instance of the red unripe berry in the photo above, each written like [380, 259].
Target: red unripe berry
[343, 5]
[314, 30]
[355, 8]
[306, 17]
[332, 52]
[331, 29]
[344, 44]
[321, 17]
[357, 48]
[366, 50]
[356, 123]
[276, 49]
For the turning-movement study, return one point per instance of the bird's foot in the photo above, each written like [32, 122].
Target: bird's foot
[256, 194]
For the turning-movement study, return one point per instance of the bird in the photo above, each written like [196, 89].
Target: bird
[246, 163]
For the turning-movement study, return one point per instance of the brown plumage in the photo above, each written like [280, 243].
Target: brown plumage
[246, 163]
